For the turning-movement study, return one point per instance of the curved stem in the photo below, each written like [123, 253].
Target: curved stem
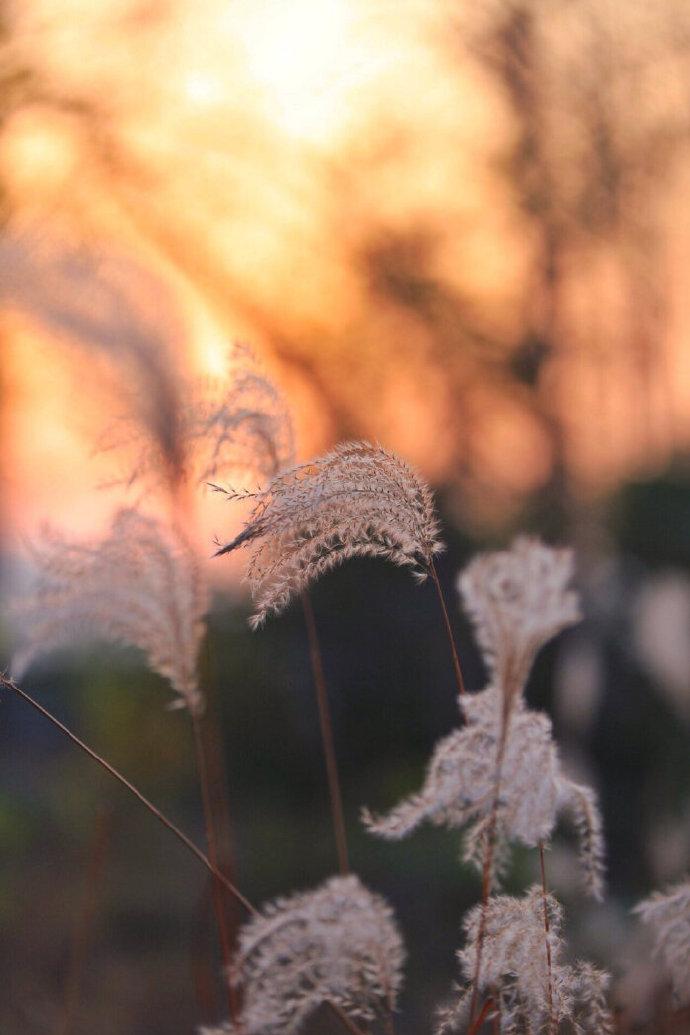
[327, 736]
[83, 930]
[487, 866]
[10, 685]
[449, 631]
[483, 1013]
[547, 941]
[186, 841]
[212, 844]
[342, 1016]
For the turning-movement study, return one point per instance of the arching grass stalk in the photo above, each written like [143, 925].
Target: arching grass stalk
[237, 895]
[334, 791]
[449, 631]
[487, 866]
[214, 857]
[10, 685]
[83, 928]
[547, 942]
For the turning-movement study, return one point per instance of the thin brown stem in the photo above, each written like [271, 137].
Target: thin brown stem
[449, 631]
[483, 1014]
[326, 736]
[547, 941]
[186, 841]
[212, 844]
[488, 863]
[338, 1012]
[9, 684]
[83, 929]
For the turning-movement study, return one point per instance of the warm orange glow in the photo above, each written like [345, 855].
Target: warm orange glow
[301, 55]
[329, 179]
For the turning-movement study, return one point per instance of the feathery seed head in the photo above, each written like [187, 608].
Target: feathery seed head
[338, 943]
[357, 501]
[667, 913]
[516, 970]
[139, 586]
[518, 600]
[234, 426]
[460, 784]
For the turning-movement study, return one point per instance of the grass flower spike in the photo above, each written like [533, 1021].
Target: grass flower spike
[667, 913]
[460, 780]
[231, 426]
[338, 944]
[139, 586]
[528, 993]
[357, 501]
[518, 600]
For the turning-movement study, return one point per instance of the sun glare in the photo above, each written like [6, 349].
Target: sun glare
[300, 56]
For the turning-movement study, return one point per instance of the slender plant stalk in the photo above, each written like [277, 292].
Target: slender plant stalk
[338, 1012]
[488, 865]
[549, 966]
[326, 736]
[220, 817]
[202, 962]
[84, 926]
[186, 841]
[212, 845]
[496, 1025]
[449, 631]
[483, 1013]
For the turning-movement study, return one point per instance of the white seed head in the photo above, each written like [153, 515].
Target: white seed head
[140, 586]
[461, 781]
[518, 600]
[667, 914]
[357, 501]
[515, 970]
[337, 944]
[235, 426]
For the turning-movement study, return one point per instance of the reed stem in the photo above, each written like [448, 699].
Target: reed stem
[487, 866]
[547, 941]
[212, 846]
[182, 837]
[483, 1013]
[10, 685]
[83, 930]
[326, 724]
[342, 1016]
[449, 631]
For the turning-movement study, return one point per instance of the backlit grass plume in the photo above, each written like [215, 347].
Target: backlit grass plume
[357, 501]
[237, 425]
[531, 993]
[500, 772]
[338, 944]
[518, 600]
[667, 914]
[459, 789]
[139, 586]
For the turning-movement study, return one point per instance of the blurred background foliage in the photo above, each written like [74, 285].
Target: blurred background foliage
[461, 230]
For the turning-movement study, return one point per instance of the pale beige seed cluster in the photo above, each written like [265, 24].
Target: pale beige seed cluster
[501, 768]
[667, 914]
[357, 501]
[236, 426]
[518, 600]
[528, 994]
[139, 586]
[338, 943]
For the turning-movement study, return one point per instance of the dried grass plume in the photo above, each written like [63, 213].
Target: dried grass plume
[516, 974]
[338, 944]
[139, 586]
[357, 501]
